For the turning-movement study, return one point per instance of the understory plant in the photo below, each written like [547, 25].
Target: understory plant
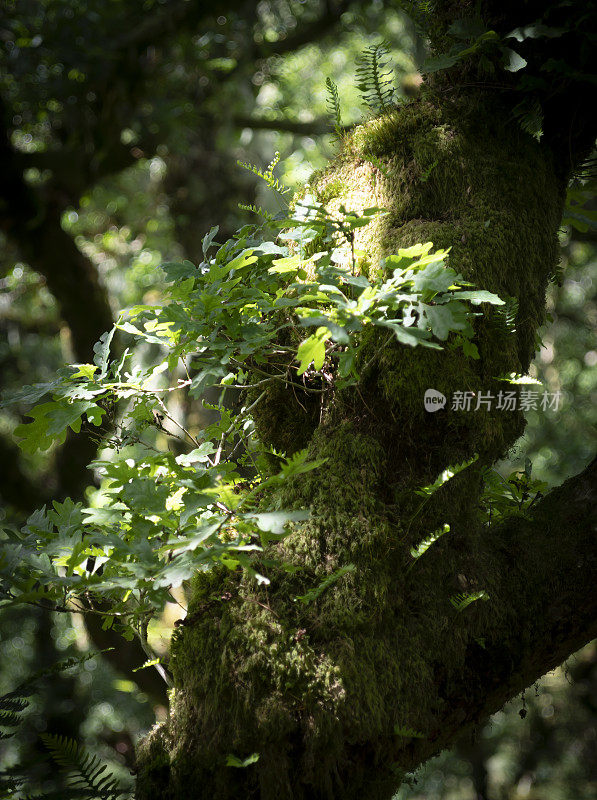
[293, 304]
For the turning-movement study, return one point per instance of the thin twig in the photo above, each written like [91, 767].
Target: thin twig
[178, 425]
[233, 425]
[263, 605]
[152, 655]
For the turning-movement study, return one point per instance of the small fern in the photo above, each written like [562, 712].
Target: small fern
[423, 547]
[588, 169]
[463, 600]
[511, 313]
[375, 79]
[449, 473]
[12, 706]
[529, 114]
[426, 173]
[421, 14]
[86, 772]
[314, 593]
[257, 210]
[557, 276]
[333, 103]
[377, 164]
[503, 318]
[268, 174]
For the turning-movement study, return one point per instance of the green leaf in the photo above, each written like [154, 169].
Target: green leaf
[469, 348]
[241, 261]
[276, 521]
[312, 351]
[513, 62]
[201, 454]
[95, 414]
[338, 333]
[410, 336]
[51, 420]
[535, 31]
[30, 394]
[441, 319]
[101, 351]
[478, 296]
[283, 266]
[434, 277]
[128, 327]
[145, 496]
[208, 239]
[85, 371]
[346, 364]
[179, 270]
[235, 761]
[437, 63]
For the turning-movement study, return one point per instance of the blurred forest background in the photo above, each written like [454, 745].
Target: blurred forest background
[121, 125]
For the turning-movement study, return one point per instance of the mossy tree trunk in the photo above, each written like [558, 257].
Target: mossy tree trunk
[319, 690]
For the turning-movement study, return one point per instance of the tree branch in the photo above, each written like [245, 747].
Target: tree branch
[317, 127]
[309, 33]
[159, 26]
[545, 592]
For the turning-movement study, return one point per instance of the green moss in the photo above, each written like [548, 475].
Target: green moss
[152, 754]
[310, 675]
[286, 417]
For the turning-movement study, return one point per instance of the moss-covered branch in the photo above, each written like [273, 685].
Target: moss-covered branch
[544, 592]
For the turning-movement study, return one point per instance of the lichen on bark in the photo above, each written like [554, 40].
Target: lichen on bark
[320, 690]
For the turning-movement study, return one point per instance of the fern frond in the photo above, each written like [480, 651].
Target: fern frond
[333, 103]
[445, 476]
[268, 174]
[313, 594]
[10, 784]
[14, 704]
[529, 114]
[257, 210]
[8, 719]
[377, 164]
[588, 169]
[462, 601]
[422, 547]
[503, 318]
[557, 276]
[421, 14]
[578, 208]
[86, 771]
[375, 79]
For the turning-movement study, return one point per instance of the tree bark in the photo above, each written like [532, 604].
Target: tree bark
[343, 696]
